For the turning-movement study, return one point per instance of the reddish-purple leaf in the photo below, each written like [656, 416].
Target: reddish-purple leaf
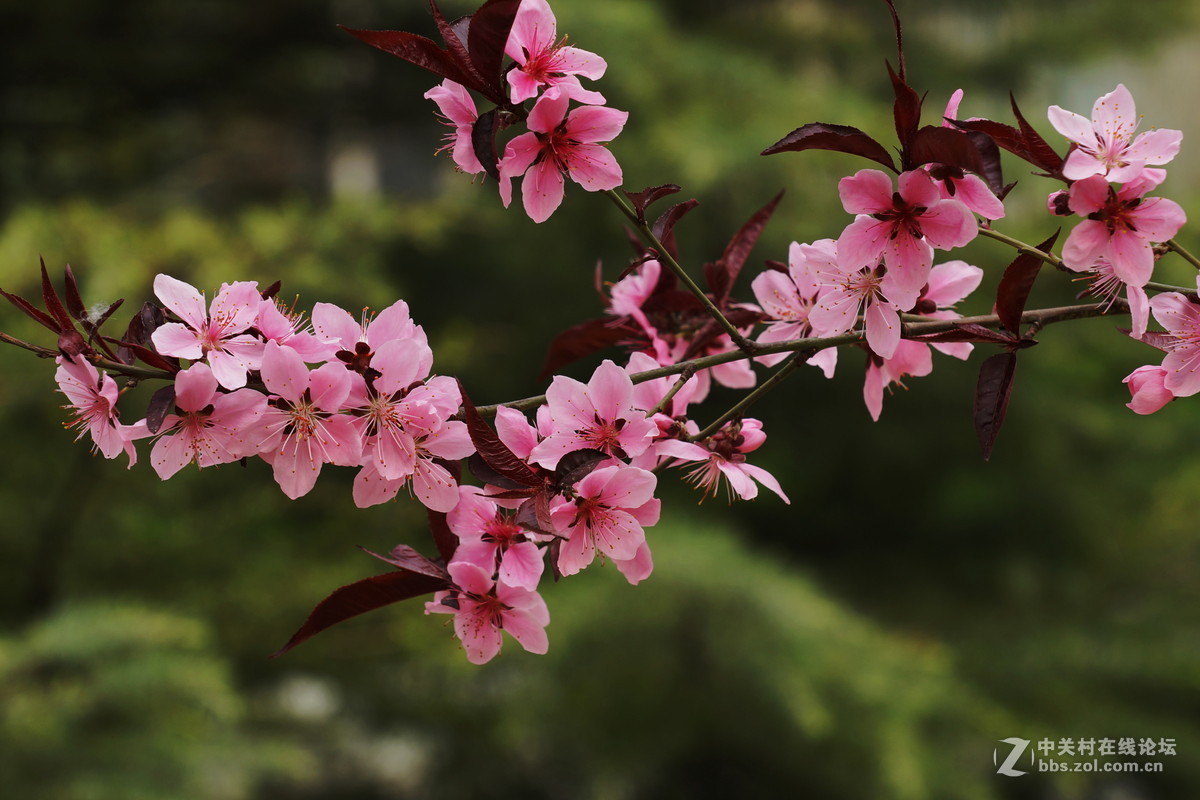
[1041, 154]
[1156, 339]
[483, 142]
[74, 300]
[54, 304]
[576, 465]
[443, 538]
[408, 559]
[899, 38]
[968, 332]
[414, 49]
[642, 200]
[149, 357]
[584, 339]
[162, 402]
[989, 156]
[664, 226]
[485, 474]
[360, 597]
[71, 344]
[456, 43]
[907, 108]
[1006, 136]
[934, 144]
[493, 451]
[991, 398]
[1015, 286]
[839, 138]
[32, 311]
[486, 38]
[724, 273]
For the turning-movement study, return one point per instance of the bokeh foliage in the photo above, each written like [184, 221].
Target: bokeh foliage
[874, 639]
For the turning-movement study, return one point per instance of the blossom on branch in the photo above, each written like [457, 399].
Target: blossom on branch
[1105, 144]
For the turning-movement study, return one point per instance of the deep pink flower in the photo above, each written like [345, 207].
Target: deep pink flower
[217, 334]
[1103, 282]
[598, 415]
[303, 427]
[911, 358]
[863, 291]
[482, 608]
[543, 61]
[93, 397]
[1148, 390]
[289, 329]
[1121, 226]
[489, 537]
[723, 456]
[431, 482]
[212, 427]
[1105, 144]
[901, 227]
[560, 144]
[610, 507]
[458, 111]
[358, 340]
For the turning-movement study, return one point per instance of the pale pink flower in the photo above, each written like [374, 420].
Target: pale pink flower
[598, 415]
[560, 144]
[610, 507]
[901, 227]
[863, 291]
[722, 456]
[1181, 318]
[358, 340]
[1105, 144]
[483, 608]
[630, 293]
[289, 329]
[1104, 282]
[648, 394]
[638, 568]
[93, 397]
[910, 358]
[457, 110]
[489, 537]
[430, 481]
[544, 61]
[1148, 390]
[303, 427]
[788, 298]
[1121, 226]
[212, 427]
[217, 334]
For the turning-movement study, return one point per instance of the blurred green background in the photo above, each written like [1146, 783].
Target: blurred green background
[913, 606]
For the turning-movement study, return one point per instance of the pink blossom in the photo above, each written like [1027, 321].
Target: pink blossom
[93, 401]
[559, 143]
[218, 334]
[430, 481]
[1148, 390]
[1104, 282]
[629, 294]
[303, 426]
[1121, 226]
[287, 328]
[956, 184]
[788, 298]
[1181, 318]
[911, 358]
[457, 110]
[483, 608]
[863, 291]
[358, 340]
[723, 456]
[610, 507]
[1106, 146]
[542, 61]
[490, 537]
[212, 427]
[649, 394]
[599, 415]
[901, 227]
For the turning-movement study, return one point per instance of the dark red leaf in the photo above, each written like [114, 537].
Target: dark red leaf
[484, 473]
[483, 142]
[54, 304]
[642, 200]
[486, 38]
[493, 451]
[360, 597]
[584, 339]
[408, 559]
[1015, 286]
[443, 538]
[724, 273]
[1006, 136]
[74, 300]
[576, 465]
[414, 49]
[271, 290]
[664, 226]
[934, 144]
[455, 39]
[1041, 154]
[1156, 339]
[969, 332]
[162, 402]
[907, 108]
[899, 38]
[839, 138]
[31, 310]
[991, 398]
[71, 344]
[149, 357]
[989, 155]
